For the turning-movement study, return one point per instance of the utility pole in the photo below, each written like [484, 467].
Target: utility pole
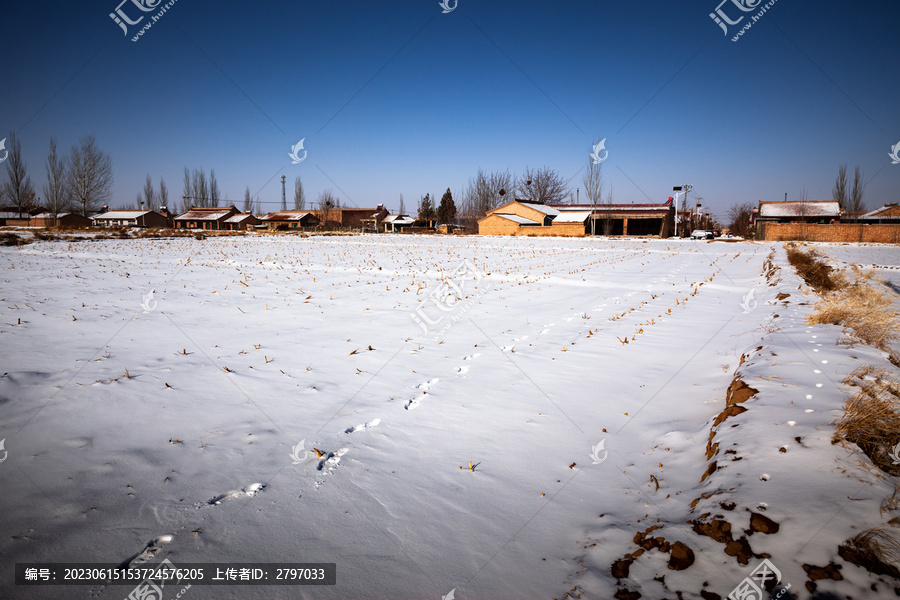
[283, 196]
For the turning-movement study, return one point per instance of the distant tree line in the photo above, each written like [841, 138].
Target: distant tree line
[80, 181]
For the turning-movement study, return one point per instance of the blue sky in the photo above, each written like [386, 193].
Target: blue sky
[397, 97]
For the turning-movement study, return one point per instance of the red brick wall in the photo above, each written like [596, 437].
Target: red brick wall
[839, 232]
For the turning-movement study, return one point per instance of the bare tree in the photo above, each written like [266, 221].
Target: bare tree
[17, 188]
[187, 191]
[199, 188]
[149, 197]
[593, 187]
[248, 201]
[299, 195]
[739, 217]
[607, 214]
[402, 209]
[327, 203]
[56, 194]
[544, 185]
[163, 193]
[855, 201]
[90, 175]
[840, 187]
[486, 192]
[213, 188]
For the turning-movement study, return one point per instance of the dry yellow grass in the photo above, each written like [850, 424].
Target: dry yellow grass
[871, 419]
[853, 299]
[876, 550]
[861, 308]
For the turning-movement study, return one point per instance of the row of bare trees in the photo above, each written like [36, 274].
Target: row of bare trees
[199, 190]
[78, 181]
[486, 191]
[850, 199]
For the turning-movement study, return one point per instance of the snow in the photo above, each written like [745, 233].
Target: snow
[286, 399]
[517, 218]
[572, 217]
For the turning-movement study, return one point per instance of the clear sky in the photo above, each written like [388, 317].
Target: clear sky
[397, 97]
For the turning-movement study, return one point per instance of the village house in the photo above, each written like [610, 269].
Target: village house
[129, 218]
[19, 217]
[396, 223]
[241, 222]
[800, 211]
[889, 213]
[522, 217]
[373, 222]
[66, 219]
[290, 219]
[349, 218]
[210, 218]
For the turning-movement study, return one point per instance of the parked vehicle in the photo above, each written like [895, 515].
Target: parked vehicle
[702, 234]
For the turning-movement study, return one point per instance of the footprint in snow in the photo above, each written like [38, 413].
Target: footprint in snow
[251, 490]
[460, 371]
[414, 402]
[149, 552]
[331, 460]
[427, 385]
[363, 427]
[473, 356]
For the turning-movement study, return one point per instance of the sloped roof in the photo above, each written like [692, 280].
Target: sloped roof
[572, 217]
[603, 207]
[285, 215]
[516, 218]
[50, 215]
[120, 215]
[544, 208]
[206, 214]
[810, 208]
[239, 217]
[879, 213]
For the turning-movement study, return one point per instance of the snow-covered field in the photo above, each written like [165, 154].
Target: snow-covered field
[287, 399]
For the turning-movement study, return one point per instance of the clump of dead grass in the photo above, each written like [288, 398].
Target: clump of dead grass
[876, 550]
[851, 299]
[813, 269]
[871, 418]
[864, 309]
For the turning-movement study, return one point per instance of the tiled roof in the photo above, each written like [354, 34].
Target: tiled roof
[204, 214]
[811, 208]
[238, 218]
[284, 216]
[120, 215]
